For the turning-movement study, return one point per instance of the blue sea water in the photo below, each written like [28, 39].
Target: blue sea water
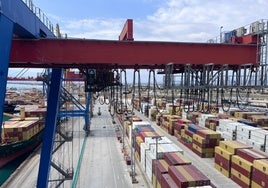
[7, 170]
[24, 85]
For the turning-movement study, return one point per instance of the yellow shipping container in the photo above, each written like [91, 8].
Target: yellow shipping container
[183, 135]
[203, 150]
[261, 165]
[172, 122]
[189, 138]
[25, 135]
[211, 134]
[255, 185]
[222, 170]
[139, 140]
[153, 181]
[232, 146]
[240, 176]
[227, 155]
[242, 163]
[199, 139]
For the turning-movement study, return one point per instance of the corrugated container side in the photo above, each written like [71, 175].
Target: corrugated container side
[251, 154]
[259, 178]
[176, 158]
[232, 146]
[168, 182]
[239, 178]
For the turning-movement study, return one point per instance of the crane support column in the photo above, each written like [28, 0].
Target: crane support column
[87, 114]
[50, 126]
[6, 32]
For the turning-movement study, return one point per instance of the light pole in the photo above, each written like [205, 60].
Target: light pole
[156, 156]
[221, 34]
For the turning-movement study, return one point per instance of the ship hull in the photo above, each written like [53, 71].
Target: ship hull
[20, 149]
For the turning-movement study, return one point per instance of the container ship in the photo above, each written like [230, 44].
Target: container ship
[20, 135]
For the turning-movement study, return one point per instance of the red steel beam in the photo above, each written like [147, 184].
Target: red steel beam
[127, 31]
[66, 53]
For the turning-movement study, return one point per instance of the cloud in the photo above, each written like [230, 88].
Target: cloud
[93, 28]
[184, 20]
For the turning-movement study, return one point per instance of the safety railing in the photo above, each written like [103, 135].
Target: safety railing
[40, 14]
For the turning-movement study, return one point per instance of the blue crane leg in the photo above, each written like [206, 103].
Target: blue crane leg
[50, 127]
[6, 32]
[87, 113]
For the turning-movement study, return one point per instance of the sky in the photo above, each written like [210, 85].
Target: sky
[154, 20]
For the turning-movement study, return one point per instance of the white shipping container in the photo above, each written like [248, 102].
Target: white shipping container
[149, 157]
[203, 117]
[143, 148]
[226, 135]
[146, 146]
[242, 139]
[164, 140]
[165, 148]
[246, 130]
[260, 136]
[137, 124]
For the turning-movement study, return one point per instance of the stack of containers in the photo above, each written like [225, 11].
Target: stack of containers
[164, 122]
[135, 126]
[224, 153]
[227, 129]
[144, 147]
[161, 150]
[187, 137]
[204, 142]
[161, 104]
[16, 130]
[172, 119]
[176, 171]
[193, 116]
[246, 114]
[39, 112]
[162, 168]
[260, 173]
[259, 140]
[203, 117]
[137, 146]
[173, 109]
[261, 120]
[187, 134]
[243, 133]
[242, 165]
[170, 159]
[187, 176]
[180, 126]
[247, 122]
[212, 123]
[139, 134]
[153, 113]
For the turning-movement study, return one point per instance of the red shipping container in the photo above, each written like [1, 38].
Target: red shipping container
[189, 133]
[241, 170]
[203, 155]
[251, 154]
[187, 175]
[210, 144]
[168, 182]
[239, 182]
[175, 158]
[224, 163]
[259, 177]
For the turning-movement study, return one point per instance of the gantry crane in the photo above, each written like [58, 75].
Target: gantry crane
[201, 65]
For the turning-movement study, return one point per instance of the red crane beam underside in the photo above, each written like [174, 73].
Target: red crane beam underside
[68, 53]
